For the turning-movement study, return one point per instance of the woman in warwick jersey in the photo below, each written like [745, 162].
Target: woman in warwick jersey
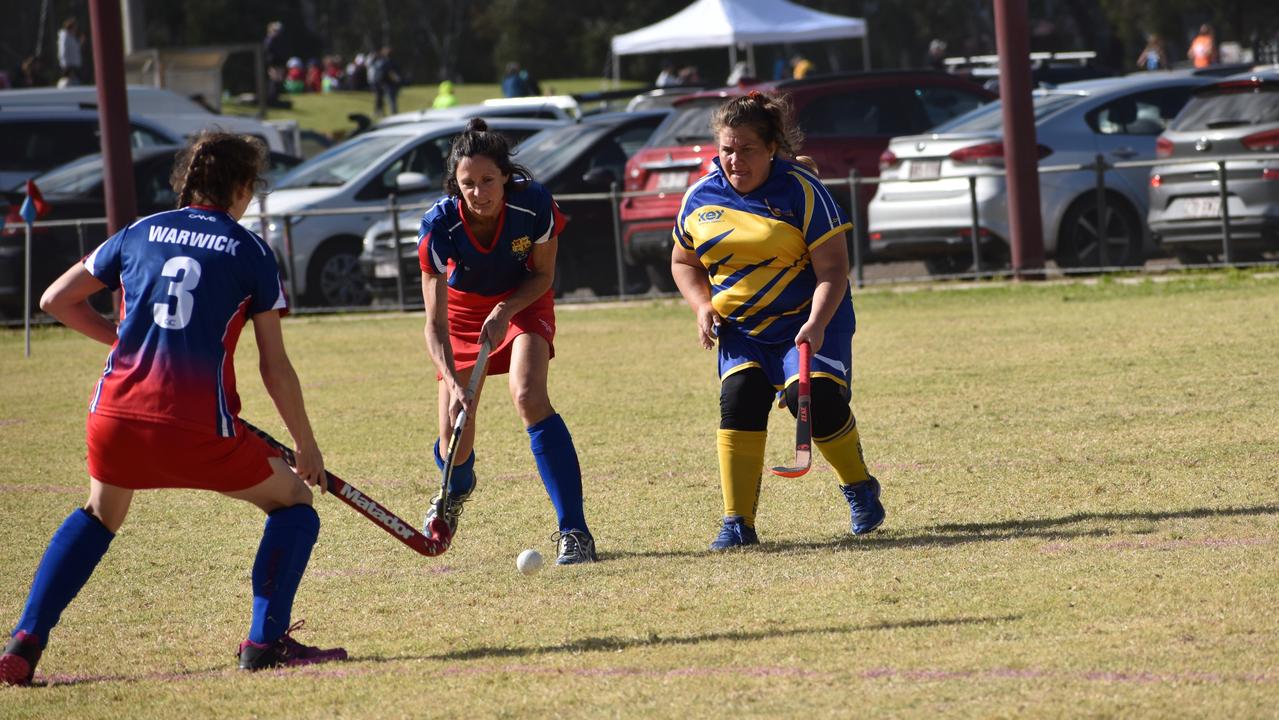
[487, 253]
[164, 413]
[760, 256]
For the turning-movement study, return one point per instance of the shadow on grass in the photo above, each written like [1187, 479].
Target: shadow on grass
[947, 534]
[615, 644]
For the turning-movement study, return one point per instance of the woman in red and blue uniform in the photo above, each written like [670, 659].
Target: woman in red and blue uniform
[164, 413]
[487, 253]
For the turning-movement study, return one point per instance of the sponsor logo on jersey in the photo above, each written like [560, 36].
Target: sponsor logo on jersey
[520, 246]
[221, 243]
[776, 212]
[707, 216]
[198, 216]
[377, 512]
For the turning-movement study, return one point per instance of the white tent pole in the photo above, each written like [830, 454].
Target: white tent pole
[866, 51]
[732, 55]
[750, 60]
[617, 70]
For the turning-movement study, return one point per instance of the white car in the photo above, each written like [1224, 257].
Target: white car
[929, 217]
[330, 201]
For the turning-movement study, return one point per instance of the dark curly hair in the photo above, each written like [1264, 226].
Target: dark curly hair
[768, 114]
[216, 164]
[477, 139]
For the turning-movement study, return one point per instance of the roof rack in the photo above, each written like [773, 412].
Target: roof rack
[961, 62]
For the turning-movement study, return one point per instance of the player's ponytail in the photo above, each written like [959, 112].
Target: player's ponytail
[214, 166]
[768, 114]
[477, 139]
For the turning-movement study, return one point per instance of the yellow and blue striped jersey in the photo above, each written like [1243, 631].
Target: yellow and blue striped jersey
[756, 246]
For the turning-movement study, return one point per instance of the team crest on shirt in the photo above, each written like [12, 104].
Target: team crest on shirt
[777, 212]
[520, 247]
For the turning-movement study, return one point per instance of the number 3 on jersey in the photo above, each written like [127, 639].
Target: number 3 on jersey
[175, 312]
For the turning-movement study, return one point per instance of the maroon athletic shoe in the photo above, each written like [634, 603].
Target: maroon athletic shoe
[18, 664]
[285, 652]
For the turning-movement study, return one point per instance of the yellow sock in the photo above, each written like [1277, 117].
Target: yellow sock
[843, 450]
[741, 462]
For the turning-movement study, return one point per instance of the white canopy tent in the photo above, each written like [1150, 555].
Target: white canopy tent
[720, 23]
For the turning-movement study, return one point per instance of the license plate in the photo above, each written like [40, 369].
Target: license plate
[925, 169]
[672, 180]
[384, 269]
[1203, 207]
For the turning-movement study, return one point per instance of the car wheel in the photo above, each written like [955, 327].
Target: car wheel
[334, 278]
[948, 264]
[659, 275]
[1079, 242]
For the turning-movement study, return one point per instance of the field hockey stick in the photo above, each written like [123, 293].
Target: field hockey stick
[477, 376]
[803, 419]
[436, 544]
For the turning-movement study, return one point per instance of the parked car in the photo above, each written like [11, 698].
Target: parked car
[847, 121]
[1238, 116]
[180, 115]
[586, 157]
[358, 175]
[930, 217]
[549, 108]
[75, 192]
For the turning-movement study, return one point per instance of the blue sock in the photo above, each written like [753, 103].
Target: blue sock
[463, 478]
[277, 571]
[73, 553]
[556, 458]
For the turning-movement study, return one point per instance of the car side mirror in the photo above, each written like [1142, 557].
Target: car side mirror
[599, 177]
[407, 182]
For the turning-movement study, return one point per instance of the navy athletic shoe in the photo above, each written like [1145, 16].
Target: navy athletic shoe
[18, 664]
[863, 500]
[575, 547]
[285, 652]
[734, 533]
[456, 501]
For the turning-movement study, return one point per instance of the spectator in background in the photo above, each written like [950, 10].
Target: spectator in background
[332, 74]
[29, 74]
[295, 76]
[936, 58]
[529, 84]
[314, 76]
[800, 67]
[668, 77]
[385, 77]
[511, 85]
[357, 73]
[275, 55]
[739, 73]
[444, 98]
[1153, 57]
[69, 40]
[690, 77]
[1203, 50]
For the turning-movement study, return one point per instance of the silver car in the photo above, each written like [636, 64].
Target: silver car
[357, 176]
[1238, 116]
[929, 216]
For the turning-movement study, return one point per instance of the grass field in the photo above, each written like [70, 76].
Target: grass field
[327, 113]
[1080, 481]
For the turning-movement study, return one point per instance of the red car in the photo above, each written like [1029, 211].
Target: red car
[847, 122]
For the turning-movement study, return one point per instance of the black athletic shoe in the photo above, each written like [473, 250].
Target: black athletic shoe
[575, 547]
[18, 664]
[452, 514]
[285, 652]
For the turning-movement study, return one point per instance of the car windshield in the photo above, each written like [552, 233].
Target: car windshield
[550, 151]
[1229, 109]
[991, 117]
[339, 165]
[690, 124]
[77, 177]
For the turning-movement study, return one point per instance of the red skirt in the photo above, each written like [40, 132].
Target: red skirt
[142, 455]
[467, 312]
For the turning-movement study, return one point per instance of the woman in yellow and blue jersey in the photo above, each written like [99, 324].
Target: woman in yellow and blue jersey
[761, 256]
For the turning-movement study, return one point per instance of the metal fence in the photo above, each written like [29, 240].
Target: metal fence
[406, 299]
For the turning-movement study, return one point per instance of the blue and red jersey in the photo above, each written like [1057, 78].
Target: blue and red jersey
[191, 277]
[446, 245]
